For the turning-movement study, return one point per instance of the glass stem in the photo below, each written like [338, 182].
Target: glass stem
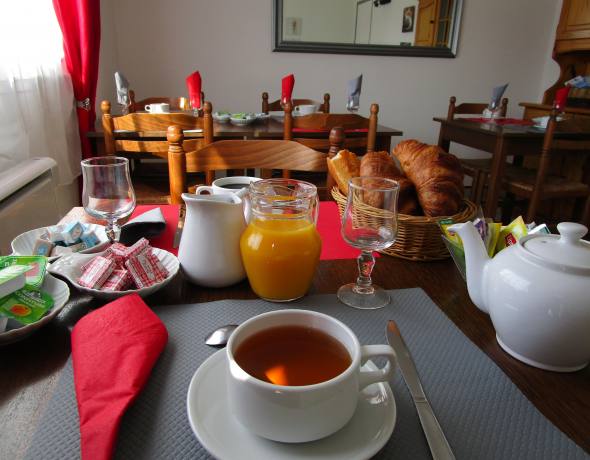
[111, 230]
[366, 262]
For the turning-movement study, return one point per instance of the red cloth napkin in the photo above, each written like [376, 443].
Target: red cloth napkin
[333, 246]
[561, 97]
[313, 130]
[193, 83]
[287, 85]
[501, 121]
[113, 351]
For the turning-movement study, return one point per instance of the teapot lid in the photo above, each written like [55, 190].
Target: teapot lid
[567, 250]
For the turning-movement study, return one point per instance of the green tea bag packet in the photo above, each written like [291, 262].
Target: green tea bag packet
[12, 278]
[26, 305]
[35, 274]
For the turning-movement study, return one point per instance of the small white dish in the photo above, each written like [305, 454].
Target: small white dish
[221, 117]
[239, 121]
[24, 243]
[70, 268]
[222, 435]
[60, 292]
[262, 116]
[542, 122]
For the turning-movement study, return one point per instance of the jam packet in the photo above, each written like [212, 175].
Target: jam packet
[26, 305]
[12, 278]
[35, 274]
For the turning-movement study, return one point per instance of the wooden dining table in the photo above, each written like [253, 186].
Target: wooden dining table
[270, 128]
[502, 141]
[30, 369]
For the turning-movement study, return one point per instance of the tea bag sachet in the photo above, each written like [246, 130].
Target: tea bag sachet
[354, 93]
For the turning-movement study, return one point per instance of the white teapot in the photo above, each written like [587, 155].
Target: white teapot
[537, 293]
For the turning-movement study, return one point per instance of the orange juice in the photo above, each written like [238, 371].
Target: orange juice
[280, 257]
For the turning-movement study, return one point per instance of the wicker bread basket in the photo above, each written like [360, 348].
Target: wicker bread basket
[418, 237]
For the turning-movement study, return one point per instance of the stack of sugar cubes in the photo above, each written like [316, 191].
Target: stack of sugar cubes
[58, 240]
[120, 268]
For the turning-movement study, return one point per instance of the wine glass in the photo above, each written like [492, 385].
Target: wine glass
[369, 224]
[107, 191]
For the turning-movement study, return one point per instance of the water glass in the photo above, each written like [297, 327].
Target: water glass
[369, 223]
[107, 192]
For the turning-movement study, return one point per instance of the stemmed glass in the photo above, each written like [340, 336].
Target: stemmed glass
[369, 224]
[107, 191]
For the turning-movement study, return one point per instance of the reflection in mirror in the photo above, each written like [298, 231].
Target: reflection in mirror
[412, 27]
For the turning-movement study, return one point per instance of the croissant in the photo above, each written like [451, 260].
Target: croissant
[437, 176]
[381, 164]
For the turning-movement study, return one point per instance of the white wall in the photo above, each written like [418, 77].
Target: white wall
[229, 41]
[386, 27]
[323, 20]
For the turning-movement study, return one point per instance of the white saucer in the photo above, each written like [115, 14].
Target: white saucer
[223, 436]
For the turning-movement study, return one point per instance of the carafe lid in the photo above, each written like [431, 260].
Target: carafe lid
[567, 250]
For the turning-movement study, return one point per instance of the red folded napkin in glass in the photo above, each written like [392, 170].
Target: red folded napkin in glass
[561, 97]
[113, 352]
[193, 83]
[317, 130]
[287, 85]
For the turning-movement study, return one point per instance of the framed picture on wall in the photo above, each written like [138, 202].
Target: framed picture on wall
[408, 19]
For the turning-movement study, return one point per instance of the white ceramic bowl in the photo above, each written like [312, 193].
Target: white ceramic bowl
[60, 292]
[70, 268]
[24, 243]
[221, 117]
[250, 118]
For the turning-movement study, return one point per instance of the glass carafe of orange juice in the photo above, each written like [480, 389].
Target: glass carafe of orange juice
[281, 246]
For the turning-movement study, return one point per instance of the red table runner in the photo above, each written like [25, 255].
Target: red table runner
[317, 130]
[333, 245]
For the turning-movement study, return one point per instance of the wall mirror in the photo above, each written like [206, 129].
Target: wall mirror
[380, 27]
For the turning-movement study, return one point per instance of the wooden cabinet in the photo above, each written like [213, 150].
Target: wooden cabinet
[573, 31]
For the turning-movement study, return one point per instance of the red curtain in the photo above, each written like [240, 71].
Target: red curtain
[80, 25]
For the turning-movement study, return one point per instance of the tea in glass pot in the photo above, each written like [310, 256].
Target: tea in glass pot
[281, 246]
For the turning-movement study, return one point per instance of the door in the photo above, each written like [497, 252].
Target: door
[364, 14]
[426, 22]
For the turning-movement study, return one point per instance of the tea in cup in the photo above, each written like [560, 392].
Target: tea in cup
[158, 108]
[305, 109]
[294, 375]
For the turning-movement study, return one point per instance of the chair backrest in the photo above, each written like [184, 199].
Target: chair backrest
[318, 122]
[276, 105]
[472, 108]
[176, 103]
[236, 154]
[142, 122]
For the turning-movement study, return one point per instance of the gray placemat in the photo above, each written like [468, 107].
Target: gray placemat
[483, 414]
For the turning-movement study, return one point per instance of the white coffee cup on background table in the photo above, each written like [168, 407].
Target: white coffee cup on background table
[157, 108]
[304, 413]
[305, 109]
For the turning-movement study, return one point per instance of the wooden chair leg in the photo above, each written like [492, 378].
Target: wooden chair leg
[481, 186]
[474, 186]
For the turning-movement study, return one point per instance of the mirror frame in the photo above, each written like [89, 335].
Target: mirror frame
[281, 45]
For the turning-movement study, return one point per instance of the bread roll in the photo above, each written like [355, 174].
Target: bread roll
[342, 167]
[381, 164]
[437, 176]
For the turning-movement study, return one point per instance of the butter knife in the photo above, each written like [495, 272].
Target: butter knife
[439, 446]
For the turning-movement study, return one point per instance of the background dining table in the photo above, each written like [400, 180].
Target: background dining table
[502, 141]
[270, 128]
[30, 369]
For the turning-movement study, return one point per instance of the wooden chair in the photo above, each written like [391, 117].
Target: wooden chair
[337, 125]
[477, 169]
[123, 136]
[276, 105]
[543, 184]
[235, 154]
[176, 103]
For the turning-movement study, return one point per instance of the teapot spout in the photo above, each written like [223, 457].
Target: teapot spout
[476, 260]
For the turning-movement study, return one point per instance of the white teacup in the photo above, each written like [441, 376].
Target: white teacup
[305, 109]
[158, 108]
[301, 413]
